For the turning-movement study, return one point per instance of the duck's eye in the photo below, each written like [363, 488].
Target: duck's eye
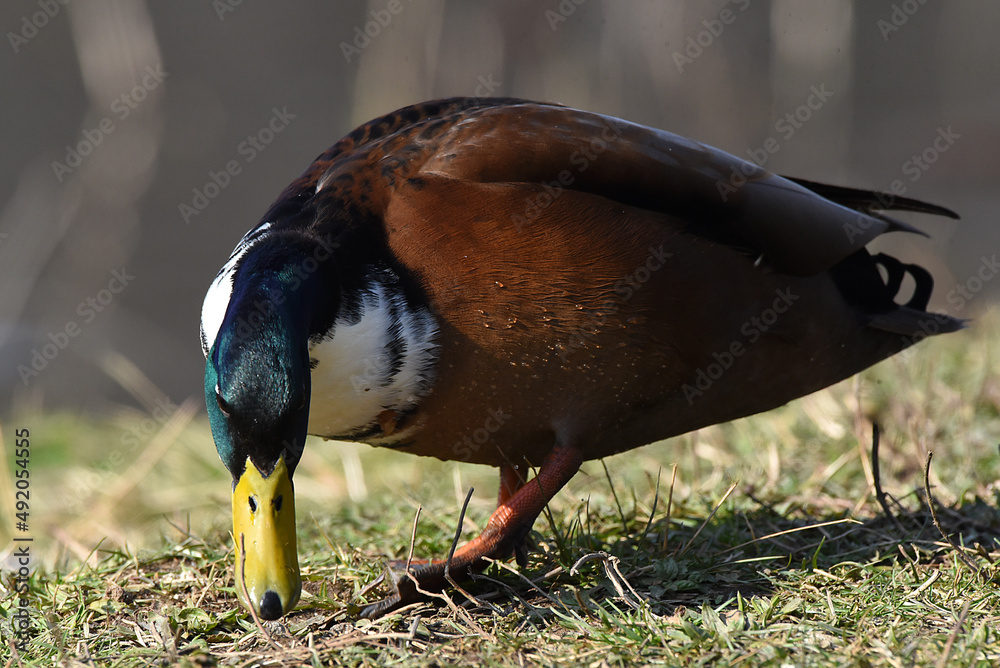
[226, 409]
[253, 504]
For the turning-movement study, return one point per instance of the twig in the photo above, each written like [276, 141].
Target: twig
[406, 567]
[360, 637]
[447, 575]
[501, 588]
[374, 583]
[614, 574]
[930, 504]
[879, 494]
[575, 568]
[622, 580]
[846, 520]
[926, 585]
[413, 539]
[614, 494]
[530, 583]
[458, 529]
[583, 605]
[946, 654]
[451, 553]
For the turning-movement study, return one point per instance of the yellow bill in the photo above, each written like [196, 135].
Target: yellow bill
[264, 529]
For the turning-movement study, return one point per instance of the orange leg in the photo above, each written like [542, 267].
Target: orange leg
[520, 504]
[512, 478]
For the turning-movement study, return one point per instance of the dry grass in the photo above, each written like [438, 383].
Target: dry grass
[769, 547]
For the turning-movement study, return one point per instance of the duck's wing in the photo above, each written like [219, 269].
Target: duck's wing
[797, 226]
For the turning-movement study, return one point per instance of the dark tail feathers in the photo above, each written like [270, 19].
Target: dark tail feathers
[912, 318]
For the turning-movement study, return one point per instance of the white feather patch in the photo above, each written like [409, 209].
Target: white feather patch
[353, 381]
[213, 309]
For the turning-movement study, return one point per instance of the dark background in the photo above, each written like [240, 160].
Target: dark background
[900, 73]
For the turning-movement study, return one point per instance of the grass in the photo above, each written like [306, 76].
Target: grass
[765, 546]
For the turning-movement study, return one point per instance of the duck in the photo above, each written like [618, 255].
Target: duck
[529, 286]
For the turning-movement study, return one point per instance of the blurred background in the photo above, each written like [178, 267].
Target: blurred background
[141, 140]
[155, 98]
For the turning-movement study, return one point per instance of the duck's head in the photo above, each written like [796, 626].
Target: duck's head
[257, 389]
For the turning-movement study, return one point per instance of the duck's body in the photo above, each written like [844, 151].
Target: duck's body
[521, 284]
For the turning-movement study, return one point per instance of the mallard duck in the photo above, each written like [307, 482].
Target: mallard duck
[522, 285]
